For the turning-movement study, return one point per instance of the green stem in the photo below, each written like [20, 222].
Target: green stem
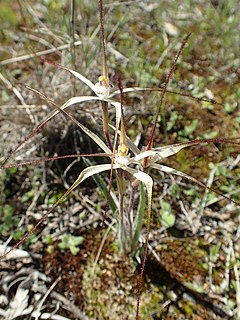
[139, 217]
[105, 123]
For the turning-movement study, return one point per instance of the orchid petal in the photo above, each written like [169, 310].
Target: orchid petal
[92, 135]
[148, 181]
[170, 170]
[132, 89]
[156, 89]
[165, 151]
[86, 173]
[82, 78]
[184, 175]
[75, 100]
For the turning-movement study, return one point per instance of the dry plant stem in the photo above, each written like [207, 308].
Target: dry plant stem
[34, 162]
[150, 143]
[104, 60]
[149, 147]
[47, 293]
[72, 28]
[65, 303]
[38, 54]
[183, 94]
[9, 86]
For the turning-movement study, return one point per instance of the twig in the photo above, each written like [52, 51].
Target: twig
[40, 53]
[226, 279]
[101, 247]
[45, 297]
[66, 304]
[72, 30]
[16, 254]
[189, 218]
[18, 95]
[237, 278]
[204, 199]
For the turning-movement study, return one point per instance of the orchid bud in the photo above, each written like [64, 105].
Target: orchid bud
[102, 88]
[122, 157]
[122, 150]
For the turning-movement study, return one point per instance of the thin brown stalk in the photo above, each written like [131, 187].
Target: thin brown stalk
[140, 279]
[35, 131]
[34, 162]
[150, 143]
[104, 60]
[72, 28]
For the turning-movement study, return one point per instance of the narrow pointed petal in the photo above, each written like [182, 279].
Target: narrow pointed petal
[71, 102]
[82, 78]
[184, 175]
[90, 171]
[183, 94]
[165, 151]
[92, 135]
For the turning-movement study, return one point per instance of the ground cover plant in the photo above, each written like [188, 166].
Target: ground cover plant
[189, 222]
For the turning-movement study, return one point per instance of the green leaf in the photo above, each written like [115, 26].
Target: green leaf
[190, 192]
[5, 96]
[54, 198]
[139, 217]
[50, 248]
[48, 239]
[28, 195]
[171, 122]
[210, 135]
[230, 107]
[191, 128]
[18, 235]
[71, 243]
[32, 238]
[174, 189]
[214, 252]
[7, 15]
[167, 217]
